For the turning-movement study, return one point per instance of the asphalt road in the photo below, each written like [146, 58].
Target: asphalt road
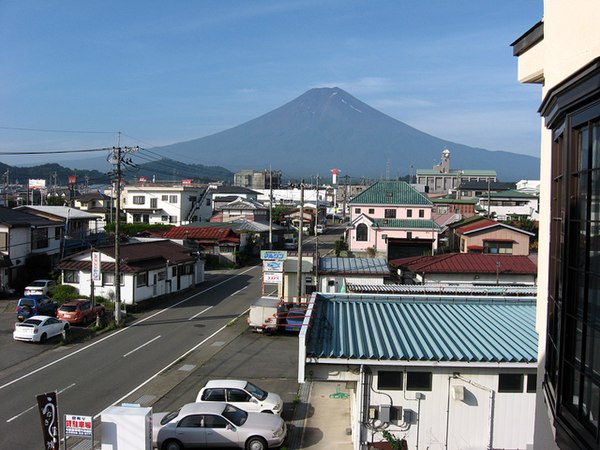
[93, 375]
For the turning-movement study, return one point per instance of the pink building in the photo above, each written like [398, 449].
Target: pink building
[391, 218]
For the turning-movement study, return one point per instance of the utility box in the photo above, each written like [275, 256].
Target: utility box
[264, 314]
[126, 427]
[385, 413]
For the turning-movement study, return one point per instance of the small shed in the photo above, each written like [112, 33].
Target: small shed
[336, 273]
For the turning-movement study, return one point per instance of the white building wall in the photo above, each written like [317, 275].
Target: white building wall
[164, 283]
[504, 212]
[437, 421]
[484, 278]
[19, 244]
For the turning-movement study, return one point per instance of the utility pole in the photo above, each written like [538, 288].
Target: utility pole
[317, 238]
[270, 207]
[345, 195]
[118, 155]
[6, 184]
[317, 207]
[300, 228]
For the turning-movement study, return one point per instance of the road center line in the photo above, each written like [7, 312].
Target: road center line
[201, 312]
[39, 369]
[172, 363]
[238, 291]
[141, 346]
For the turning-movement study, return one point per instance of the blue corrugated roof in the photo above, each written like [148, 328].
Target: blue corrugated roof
[363, 266]
[358, 327]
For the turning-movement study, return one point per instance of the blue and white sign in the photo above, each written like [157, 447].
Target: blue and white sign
[273, 266]
[274, 255]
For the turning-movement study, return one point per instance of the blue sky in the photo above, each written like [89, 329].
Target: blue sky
[164, 72]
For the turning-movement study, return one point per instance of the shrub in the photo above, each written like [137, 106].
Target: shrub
[340, 245]
[64, 293]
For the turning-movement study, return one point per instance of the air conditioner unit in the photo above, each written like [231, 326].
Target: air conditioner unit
[458, 393]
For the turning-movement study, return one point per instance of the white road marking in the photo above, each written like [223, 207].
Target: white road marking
[34, 406]
[141, 346]
[238, 291]
[201, 312]
[172, 363]
[39, 369]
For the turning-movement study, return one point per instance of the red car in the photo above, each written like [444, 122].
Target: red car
[79, 311]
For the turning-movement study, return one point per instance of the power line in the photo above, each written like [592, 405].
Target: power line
[55, 152]
[43, 130]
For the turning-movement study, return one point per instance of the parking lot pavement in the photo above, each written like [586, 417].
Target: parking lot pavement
[271, 362]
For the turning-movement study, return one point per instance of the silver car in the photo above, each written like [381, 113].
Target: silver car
[212, 425]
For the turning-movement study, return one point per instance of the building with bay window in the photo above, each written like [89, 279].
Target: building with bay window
[562, 54]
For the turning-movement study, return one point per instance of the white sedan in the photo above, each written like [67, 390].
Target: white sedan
[39, 328]
[242, 394]
[40, 287]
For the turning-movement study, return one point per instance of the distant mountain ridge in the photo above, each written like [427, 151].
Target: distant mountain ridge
[328, 128]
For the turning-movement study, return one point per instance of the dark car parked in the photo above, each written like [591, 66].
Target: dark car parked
[34, 305]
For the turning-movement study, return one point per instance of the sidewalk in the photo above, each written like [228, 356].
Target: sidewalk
[326, 424]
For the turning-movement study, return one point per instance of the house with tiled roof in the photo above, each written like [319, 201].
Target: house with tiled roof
[391, 219]
[467, 269]
[488, 236]
[442, 372]
[148, 270]
[241, 208]
[221, 243]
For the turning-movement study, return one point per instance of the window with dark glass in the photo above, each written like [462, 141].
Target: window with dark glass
[371, 210]
[356, 210]
[572, 367]
[390, 380]
[418, 381]
[362, 232]
[510, 382]
[409, 213]
[71, 276]
[39, 238]
[531, 382]
[498, 247]
[390, 214]
[142, 279]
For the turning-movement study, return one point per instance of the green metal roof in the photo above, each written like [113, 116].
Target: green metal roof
[405, 328]
[511, 193]
[455, 201]
[418, 224]
[390, 193]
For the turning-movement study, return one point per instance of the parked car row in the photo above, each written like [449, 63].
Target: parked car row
[226, 413]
